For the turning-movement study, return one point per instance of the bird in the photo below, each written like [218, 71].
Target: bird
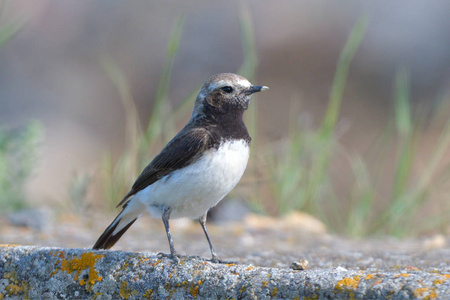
[197, 168]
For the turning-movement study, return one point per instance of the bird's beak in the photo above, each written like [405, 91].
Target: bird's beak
[256, 88]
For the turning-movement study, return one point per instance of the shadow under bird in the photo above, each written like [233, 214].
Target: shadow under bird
[198, 167]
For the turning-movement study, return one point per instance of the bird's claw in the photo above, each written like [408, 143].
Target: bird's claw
[174, 256]
[216, 260]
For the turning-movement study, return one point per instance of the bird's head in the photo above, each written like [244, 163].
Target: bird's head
[225, 92]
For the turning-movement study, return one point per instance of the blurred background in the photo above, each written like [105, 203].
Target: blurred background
[83, 71]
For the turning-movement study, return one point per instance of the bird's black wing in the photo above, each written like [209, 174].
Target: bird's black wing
[183, 149]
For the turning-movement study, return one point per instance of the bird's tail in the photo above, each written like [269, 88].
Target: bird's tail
[118, 227]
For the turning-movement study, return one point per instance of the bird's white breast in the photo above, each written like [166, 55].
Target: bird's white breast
[192, 190]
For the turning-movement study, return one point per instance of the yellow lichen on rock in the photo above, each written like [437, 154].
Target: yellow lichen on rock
[156, 263]
[431, 295]
[313, 297]
[15, 287]
[194, 290]
[147, 294]
[402, 275]
[348, 283]
[96, 295]
[78, 265]
[125, 292]
[425, 293]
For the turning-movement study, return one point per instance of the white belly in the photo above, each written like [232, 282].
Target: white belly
[191, 191]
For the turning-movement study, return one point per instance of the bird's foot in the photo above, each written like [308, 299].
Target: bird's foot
[216, 260]
[174, 255]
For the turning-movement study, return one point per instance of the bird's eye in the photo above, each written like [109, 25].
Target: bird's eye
[227, 89]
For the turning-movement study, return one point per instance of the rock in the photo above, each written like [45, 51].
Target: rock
[56, 273]
[300, 265]
[228, 210]
[37, 219]
[436, 241]
[304, 222]
[295, 220]
[260, 222]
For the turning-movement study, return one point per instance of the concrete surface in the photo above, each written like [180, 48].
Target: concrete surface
[56, 273]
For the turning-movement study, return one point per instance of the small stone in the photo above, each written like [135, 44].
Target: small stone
[301, 264]
[434, 242]
[230, 210]
[304, 222]
[341, 269]
[260, 222]
[38, 219]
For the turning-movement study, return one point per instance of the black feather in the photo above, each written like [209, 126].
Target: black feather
[107, 239]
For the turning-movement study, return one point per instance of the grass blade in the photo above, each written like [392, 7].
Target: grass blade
[8, 31]
[341, 74]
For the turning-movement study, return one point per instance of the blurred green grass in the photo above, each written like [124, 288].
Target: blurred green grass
[10, 29]
[117, 175]
[296, 175]
[18, 147]
[18, 158]
[291, 174]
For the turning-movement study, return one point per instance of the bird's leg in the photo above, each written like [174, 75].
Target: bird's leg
[165, 218]
[202, 221]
